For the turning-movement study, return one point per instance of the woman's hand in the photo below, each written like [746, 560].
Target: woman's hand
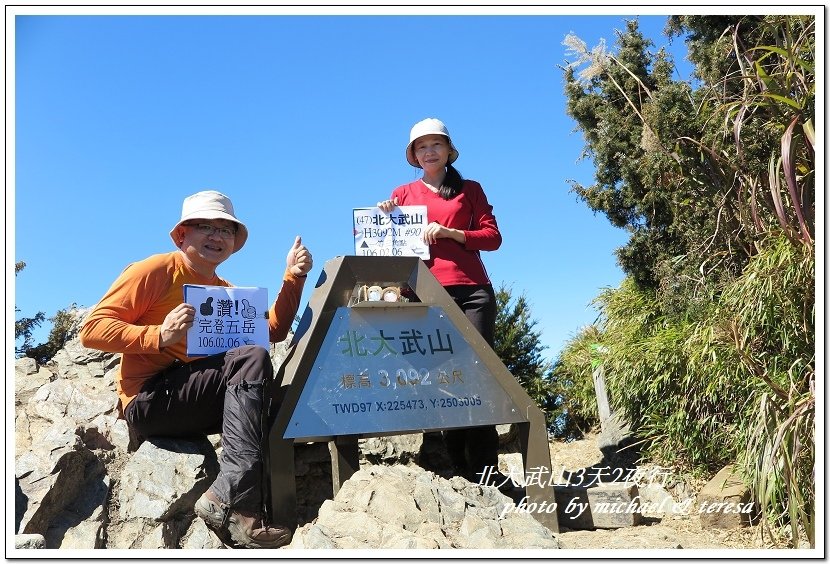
[435, 231]
[387, 206]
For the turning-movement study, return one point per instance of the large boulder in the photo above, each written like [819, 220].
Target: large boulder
[164, 478]
[52, 476]
[409, 507]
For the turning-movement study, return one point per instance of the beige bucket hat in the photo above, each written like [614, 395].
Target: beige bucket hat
[429, 126]
[210, 204]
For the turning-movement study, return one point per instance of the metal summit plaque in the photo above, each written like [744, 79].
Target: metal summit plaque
[382, 371]
[382, 349]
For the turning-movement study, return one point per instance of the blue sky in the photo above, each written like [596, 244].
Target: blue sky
[299, 119]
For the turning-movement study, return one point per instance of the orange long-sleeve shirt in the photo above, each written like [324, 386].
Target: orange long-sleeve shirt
[128, 318]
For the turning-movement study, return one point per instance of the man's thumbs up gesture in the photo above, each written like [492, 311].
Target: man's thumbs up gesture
[299, 258]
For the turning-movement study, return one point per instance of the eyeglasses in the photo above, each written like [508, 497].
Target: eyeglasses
[208, 230]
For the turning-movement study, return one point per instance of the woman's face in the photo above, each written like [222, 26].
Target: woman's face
[432, 152]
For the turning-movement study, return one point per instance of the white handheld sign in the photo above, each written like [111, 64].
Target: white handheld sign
[395, 234]
[226, 318]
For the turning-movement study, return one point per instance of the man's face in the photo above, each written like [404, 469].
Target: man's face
[208, 241]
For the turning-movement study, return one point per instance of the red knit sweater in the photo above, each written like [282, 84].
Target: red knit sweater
[450, 262]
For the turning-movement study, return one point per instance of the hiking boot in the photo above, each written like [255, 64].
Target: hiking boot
[210, 509]
[243, 528]
[248, 530]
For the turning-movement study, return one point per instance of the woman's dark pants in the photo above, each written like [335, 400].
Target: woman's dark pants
[475, 448]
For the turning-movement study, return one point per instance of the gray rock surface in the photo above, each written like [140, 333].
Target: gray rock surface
[29, 541]
[164, 478]
[408, 507]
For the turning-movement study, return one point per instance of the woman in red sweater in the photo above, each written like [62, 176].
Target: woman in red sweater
[461, 224]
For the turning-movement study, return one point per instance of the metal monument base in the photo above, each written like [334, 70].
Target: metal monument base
[354, 360]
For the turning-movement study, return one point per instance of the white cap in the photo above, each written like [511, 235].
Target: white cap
[429, 126]
[211, 204]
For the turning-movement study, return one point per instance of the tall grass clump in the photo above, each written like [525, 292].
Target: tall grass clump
[679, 386]
[772, 309]
[734, 383]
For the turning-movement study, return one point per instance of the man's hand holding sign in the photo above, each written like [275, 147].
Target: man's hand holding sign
[176, 324]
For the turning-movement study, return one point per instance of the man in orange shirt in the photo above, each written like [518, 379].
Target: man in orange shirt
[163, 392]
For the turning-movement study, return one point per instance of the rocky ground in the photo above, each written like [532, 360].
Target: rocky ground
[77, 485]
[657, 532]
